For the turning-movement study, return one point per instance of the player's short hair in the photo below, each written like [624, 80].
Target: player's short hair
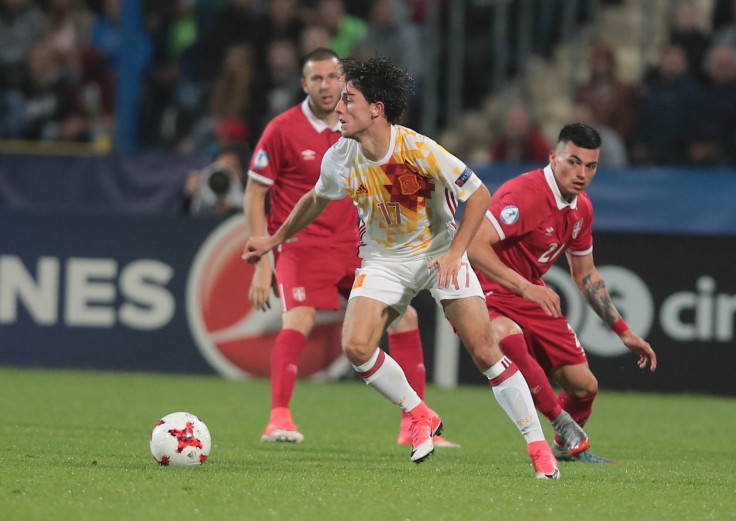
[378, 79]
[318, 55]
[581, 134]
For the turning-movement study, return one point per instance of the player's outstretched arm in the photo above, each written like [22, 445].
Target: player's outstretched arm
[593, 288]
[309, 207]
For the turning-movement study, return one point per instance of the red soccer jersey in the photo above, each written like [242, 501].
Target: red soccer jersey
[537, 225]
[288, 158]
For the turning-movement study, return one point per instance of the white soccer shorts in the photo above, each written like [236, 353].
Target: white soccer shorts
[396, 283]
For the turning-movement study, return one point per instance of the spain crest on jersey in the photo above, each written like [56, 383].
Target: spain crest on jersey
[409, 184]
[576, 228]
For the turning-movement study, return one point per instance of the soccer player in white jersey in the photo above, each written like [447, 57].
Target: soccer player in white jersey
[316, 267]
[406, 188]
[534, 218]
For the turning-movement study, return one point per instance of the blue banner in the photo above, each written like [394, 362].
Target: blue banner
[133, 292]
[639, 200]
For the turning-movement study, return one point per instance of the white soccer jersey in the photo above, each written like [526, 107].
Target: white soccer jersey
[406, 200]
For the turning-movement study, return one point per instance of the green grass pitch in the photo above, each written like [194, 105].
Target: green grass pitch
[75, 447]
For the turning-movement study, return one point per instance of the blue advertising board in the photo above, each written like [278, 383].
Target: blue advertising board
[168, 293]
[133, 292]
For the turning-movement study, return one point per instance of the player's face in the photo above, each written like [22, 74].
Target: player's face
[322, 82]
[354, 112]
[574, 168]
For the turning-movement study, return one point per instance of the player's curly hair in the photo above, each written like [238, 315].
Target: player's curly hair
[582, 135]
[378, 79]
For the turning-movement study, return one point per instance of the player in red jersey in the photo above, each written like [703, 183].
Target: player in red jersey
[531, 221]
[318, 264]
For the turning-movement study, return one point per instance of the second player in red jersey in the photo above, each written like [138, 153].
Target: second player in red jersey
[287, 159]
[532, 220]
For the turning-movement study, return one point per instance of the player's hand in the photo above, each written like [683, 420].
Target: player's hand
[641, 347]
[448, 266]
[255, 248]
[260, 287]
[547, 299]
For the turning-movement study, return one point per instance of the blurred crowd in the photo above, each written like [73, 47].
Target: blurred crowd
[209, 67]
[681, 112]
[214, 72]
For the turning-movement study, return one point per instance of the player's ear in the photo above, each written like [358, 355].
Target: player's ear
[304, 86]
[377, 109]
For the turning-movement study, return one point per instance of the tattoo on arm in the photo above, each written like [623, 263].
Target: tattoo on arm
[597, 296]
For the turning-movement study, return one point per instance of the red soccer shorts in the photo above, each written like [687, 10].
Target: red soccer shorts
[314, 276]
[550, 340]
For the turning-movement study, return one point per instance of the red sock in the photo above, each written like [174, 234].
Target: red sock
[545, 399]
[406, 349]
[284, 364]
[579, 408]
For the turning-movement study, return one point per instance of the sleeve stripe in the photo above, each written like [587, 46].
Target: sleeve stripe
[260, 178]
[587, 251]
[495, 224]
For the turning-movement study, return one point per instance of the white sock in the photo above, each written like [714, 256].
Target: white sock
[385, 375]
[512, 393]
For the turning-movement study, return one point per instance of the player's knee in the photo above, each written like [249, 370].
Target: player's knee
[357, 352]
[503, 327]
[592, 387]
[588, 388]
[482, 350]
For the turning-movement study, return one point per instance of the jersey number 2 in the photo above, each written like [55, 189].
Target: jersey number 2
[552, 253]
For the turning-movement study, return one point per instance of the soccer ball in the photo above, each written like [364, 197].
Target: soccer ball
[181, 439]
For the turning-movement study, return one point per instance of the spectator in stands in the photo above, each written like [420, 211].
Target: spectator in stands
[345, 29]
[107, 37]
[219, 187]
[392, 34]
[688, 32]
[282, 22]
[521, 140]
[21, 23]
[469, 138]
[106, 33]
[613, 149]
[233, 95]
[67, 30]
[171, 78]
[612, 101]
[239, 21]
[284, 79]
[724, 36]
[313, 37]
[723, 14]
[48, 96]
[546, 27]
[231, 90]
[666, 111]
[714, 142]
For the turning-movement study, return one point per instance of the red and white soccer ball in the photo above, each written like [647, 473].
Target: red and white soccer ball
[180, 439]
